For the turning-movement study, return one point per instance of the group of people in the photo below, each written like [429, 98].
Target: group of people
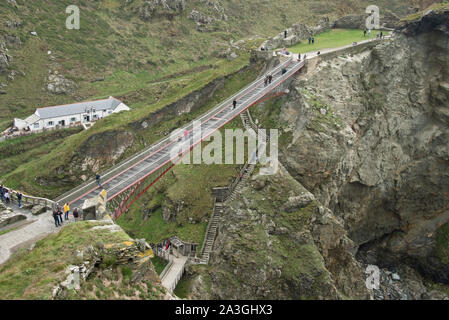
[58, 212]
[6, 195]
[268, 80]
[379, 35]
[311, 40]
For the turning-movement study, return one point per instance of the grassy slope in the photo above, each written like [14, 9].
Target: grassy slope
[33, 274]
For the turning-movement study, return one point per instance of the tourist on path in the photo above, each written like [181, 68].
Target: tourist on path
[2, 193]
[19, 199]
[285, 34]
[310, 39]
[7, 199]
[66, 211]
[55, 216]
[75, 214]
[98, 178]
[364, 32]
[234, 104]
[381, 34]
[59, 213]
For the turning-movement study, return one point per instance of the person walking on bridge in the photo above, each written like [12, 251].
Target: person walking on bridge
[98, 178]
[234, 104]
[265, 82]
[270, 78]
[66, 211]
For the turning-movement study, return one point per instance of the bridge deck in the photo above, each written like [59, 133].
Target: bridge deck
[126, 174]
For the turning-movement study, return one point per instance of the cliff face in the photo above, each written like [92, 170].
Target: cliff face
[370, 141]
[367, 161]
[277, 242]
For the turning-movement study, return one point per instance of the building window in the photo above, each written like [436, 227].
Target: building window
[95, 116]
[72, 119]
[61, 122]
[36, 126]
[50, 123]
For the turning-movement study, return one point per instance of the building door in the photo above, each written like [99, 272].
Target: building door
[86, 118]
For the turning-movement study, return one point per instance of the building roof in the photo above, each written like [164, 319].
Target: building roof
[32, 119]
[77, 108]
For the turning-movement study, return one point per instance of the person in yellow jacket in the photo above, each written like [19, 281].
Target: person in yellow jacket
[66, 211]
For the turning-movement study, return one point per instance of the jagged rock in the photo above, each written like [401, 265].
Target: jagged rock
[13, 3]
[13, 24]
[38, 209]
[33, 33]
[5, 59]
[158, 7]
[298, 202]
[58, 84]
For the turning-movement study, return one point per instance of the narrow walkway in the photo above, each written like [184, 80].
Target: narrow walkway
[26, 234]
[174, 274]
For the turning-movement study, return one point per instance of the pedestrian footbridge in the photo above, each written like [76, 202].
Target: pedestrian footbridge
[130, 179]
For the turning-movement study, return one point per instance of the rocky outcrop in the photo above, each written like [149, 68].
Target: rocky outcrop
[5, 58]
[267, 251]
[378, 156]
[58, 84]
[155, 8]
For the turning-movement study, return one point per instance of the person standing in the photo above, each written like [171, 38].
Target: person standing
[234, 104]
[59, 213]
[55, 216]
[285, 34]
[310, 39]
[66, 211]
[364, 32]
[265, 82]
[7, 196]
[75, 214]
[313, 40]
[2, 193]
[369, 32]
[98, 178]
[381, 34]
[270, 78]
[19, 199]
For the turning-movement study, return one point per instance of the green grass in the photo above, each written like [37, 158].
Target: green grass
[159, 264]
[333, 39]
[33, 274]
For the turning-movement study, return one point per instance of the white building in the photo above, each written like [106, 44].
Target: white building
[71, 114]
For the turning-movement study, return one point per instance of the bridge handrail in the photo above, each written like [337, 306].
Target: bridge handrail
[167, 139]
[208, 228]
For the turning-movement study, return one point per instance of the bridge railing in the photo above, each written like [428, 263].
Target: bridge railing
[26, 199]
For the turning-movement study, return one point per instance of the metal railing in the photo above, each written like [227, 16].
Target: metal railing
[26, 199]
